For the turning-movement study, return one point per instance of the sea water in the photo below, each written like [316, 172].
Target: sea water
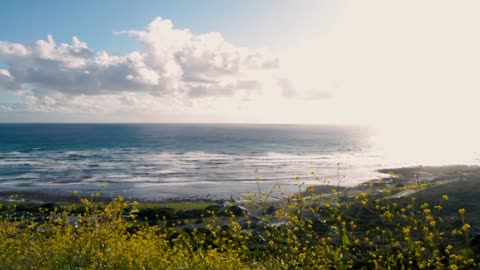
[164, 161]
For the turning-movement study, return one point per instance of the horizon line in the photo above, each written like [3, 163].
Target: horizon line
[190, 123]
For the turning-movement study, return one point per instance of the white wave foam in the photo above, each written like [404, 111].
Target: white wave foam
[188, 169]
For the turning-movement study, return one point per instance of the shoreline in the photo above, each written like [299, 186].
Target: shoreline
[436, 175]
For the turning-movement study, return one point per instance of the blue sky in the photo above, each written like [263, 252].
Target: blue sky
[399, 66]
[29, 21]
[245, 23]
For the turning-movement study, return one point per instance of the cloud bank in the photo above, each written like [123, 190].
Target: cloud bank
[173, 61]
[174, 66]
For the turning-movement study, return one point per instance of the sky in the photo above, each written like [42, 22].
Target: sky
[402, 66]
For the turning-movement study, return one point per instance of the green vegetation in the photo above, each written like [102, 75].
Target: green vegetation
[386, 224]
[184, 206]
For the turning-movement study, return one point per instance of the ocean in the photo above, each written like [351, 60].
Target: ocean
[189, 161]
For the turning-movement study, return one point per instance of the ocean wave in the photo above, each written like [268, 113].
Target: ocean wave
[173, 171]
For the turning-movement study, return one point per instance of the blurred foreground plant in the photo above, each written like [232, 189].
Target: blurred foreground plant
[304, 230]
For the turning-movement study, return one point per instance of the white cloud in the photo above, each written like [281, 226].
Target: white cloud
[7, 82]
[200, 64]
[174, 61]
[290, 90]
[406, 63]
[177, 74]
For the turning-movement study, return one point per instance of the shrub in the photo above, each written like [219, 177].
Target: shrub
[361, 230]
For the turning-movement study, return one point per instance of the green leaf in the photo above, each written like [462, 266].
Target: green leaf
[345, 241]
